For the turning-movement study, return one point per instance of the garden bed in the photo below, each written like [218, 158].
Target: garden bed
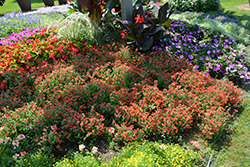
[86, 97]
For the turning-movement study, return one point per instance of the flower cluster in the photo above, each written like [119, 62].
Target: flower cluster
[210, 52]
[16, 21]
[111, 90]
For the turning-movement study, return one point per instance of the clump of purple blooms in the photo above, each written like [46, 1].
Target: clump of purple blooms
[210, 52]
[17, 21]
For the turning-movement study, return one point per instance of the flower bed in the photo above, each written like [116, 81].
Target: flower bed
[140, 96]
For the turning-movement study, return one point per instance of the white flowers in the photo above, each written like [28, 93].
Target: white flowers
[111, 130]
[81, 147]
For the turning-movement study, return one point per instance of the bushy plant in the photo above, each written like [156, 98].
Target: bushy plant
[79, 26]
[195, 5]
[217, 22]
[210, 52]
[17, 21]
[78, 159]
[17, 129]
[39, 48]
[36, 159]
[154, 154]
[144, 29]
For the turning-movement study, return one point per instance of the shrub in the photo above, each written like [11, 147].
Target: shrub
[40, 48]
[213, 53]
[78, 159]
[195, 5]
[18, 130]
[37, 159]
[217, 22]
[154, 154]
[17, 21]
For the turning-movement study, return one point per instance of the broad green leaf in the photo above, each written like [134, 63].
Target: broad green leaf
[163, 12]
[71, 11]
[166, 24]
[147, 44]
[130, 36]
[111, 4]
[156, 30]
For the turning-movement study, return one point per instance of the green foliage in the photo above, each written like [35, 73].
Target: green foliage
[148, 154]
[78, 160]
[195, 5]
[37, 159]
[216, 23]
[78, 26]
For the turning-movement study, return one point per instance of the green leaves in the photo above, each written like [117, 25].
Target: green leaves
[145, 31]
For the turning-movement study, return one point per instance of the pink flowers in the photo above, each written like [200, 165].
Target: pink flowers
[21, 136]
[23, 153]
[16, 155]
[6, 139]
[15, 143]
[81, 147]
[195, 143]
[53, 127]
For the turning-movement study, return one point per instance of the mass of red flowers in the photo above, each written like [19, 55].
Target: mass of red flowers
[86, 90]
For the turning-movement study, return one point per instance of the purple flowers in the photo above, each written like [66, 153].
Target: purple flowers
[212, 52]
[190, 57]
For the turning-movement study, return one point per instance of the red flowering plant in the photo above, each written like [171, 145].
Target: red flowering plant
[38, 49]
[18, 131]
[215, 100]
[61, 127]
[144, 31]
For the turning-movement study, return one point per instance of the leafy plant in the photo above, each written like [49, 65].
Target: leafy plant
[145, 31]
[94, 8]
[195, 5]
[154, 154]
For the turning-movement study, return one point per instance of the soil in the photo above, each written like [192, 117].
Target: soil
[244, 7]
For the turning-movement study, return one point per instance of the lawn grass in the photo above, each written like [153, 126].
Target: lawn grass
[238, 152]
[11, 5]
[231, 6]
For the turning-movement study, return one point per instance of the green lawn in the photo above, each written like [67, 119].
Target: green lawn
[244, 15]
[11, 5]
[237, 154]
